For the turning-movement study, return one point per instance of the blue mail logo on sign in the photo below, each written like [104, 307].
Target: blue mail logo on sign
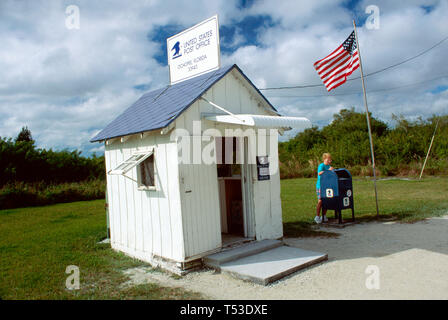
[176, 49]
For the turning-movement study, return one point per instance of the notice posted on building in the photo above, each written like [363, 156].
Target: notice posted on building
[194, 51]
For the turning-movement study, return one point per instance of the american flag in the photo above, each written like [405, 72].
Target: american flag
[338, 65]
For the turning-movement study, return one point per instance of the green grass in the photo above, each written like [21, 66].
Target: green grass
[407, 201]
[38, 243]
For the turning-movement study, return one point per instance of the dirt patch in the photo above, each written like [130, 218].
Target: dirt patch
[412, 260]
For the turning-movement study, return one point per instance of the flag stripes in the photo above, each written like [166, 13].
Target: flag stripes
[338, 65]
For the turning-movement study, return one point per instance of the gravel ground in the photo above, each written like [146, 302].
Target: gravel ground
[412, 260]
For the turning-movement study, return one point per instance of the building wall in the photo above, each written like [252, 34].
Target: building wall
[268, 207]
[144, 223]
[200, 206]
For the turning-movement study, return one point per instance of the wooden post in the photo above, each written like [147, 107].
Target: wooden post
[429, 149]
[368, 120]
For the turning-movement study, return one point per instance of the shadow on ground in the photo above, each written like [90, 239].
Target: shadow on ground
[378, 239]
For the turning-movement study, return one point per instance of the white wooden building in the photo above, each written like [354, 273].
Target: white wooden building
[171, 212]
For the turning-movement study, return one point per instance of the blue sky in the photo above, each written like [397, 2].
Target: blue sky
[67, 84]
[248, 27]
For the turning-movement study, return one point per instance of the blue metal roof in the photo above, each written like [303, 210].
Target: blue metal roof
[158, 108]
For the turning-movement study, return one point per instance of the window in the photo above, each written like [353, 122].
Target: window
[144, 161]
[146, 174]
[130, 163]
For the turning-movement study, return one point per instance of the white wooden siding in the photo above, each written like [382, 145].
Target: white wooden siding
[201, 207]
[268, 210]
[172, 222]
[146, 223]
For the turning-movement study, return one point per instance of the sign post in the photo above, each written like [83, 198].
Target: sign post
[194, 51]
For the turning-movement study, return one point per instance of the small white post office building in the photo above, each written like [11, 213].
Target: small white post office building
[168, 204]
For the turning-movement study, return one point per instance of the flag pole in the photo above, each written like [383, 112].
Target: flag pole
[368, 120]
[429, 149]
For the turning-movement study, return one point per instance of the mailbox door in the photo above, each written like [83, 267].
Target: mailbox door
[329, 190]
[346, 193]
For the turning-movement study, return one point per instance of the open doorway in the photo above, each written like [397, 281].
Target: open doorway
[233, 190]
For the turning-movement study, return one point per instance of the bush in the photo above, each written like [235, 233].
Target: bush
[398, 151]
[22, 161]
[20, 194]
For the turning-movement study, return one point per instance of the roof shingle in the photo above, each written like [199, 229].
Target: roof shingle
[158, 108]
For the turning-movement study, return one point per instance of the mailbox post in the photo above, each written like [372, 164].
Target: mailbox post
[336, 189]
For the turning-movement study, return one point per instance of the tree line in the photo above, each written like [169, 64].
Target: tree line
[21, 160]
[399, 149]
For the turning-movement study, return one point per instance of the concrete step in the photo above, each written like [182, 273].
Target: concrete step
[217, 259]
[268, 266]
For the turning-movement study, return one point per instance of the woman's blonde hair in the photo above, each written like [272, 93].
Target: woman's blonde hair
[326, 156]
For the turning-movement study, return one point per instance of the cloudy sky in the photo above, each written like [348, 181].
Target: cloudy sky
[67, 84]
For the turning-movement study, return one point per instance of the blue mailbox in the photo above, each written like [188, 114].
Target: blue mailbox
[336, 189]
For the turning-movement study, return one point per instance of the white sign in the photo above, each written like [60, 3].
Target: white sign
[194, 51]
[346, 201]
[329, 193]
[264, 171]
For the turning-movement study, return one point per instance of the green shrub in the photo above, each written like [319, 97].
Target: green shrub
[21, 160]
[398, 151]
[20, 194]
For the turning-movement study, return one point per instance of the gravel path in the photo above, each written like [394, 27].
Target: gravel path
[412, 260]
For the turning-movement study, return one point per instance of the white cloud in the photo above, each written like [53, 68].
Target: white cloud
[67, 84]
[310, 31]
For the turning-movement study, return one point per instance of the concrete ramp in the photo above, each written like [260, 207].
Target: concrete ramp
[217, 259]
[268, 265]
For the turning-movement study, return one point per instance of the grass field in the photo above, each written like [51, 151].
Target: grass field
[400, 199]
[38, 243]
